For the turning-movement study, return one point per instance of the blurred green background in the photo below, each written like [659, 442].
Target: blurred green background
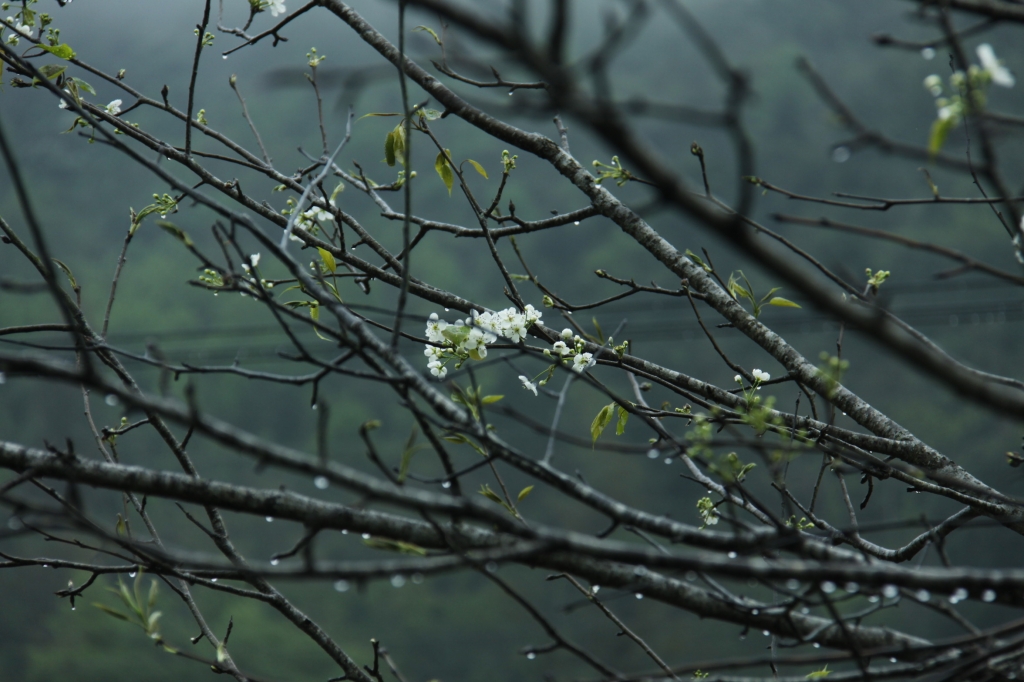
[459, 627]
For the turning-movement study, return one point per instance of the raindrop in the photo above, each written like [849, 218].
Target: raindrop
[446, 310]
[958, 595]
[841, 154]
[366, 536]
[755, 612]
[321, 482]
[397, 580]
[314, 406]
[792, 584]
[344, 531]
[131, 574]
[224, 57]
[928, 53]
[48, 565]
[890, 591]
[511, 92]
[270, 519]
[668, 460]
[275, 562]
[594, 589]
[923, 595]
[852, 588]
[639, 596]
[72, 607]
[341, 586]
[828, 587]
[417, 578]
[873, 599]
[446, 485]
[817, 645]
[804, 610]
[491, 567]
[576, 223]
[213, 580]
[111, 400]
[988, 596]
[732, 555]
[765, 633]
[892, 659]
[653, 453]
[530, 655]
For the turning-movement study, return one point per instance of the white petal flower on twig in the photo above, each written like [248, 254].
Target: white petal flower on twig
[114, 108]
[1000, 74]
[582, 361]
[527, 384]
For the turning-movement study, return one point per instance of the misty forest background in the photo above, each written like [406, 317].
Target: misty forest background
[459, 627]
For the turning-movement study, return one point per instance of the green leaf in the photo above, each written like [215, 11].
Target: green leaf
[429, 114]
[62, 51]
[524, 492]
[82, 85]
[176, 231]
[328, 258]
[940, 131]
[443, 169]
[456, 334]
[479, 168]
[488, 399]
[431, 31]
[314, 312]
[51, 71]
[111, 612]
[121, 527]
[597, 326]
[377, 113]
[153, 590]
[620, 426]
[486, 491]
[395, 546]
[67, 271]
[389, 149]
[783, 302]
[602, 420]
[407, 455]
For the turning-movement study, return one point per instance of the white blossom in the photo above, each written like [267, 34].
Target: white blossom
[933, 84]
[566, 334]
[276, 7]
[1000, 74]
[738, 379]
[254, 259]
[114, 108]
[561, 348]
[437, 369]
[527, 384]
[582, 361]
[760, 375]
[318, 214]
[435, 329]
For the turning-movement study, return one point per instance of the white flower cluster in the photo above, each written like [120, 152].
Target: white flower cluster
[469, 338]
[760, 376]
[571, 346]
[19, 28]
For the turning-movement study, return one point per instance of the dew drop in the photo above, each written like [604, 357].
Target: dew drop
[213, 580]
[923, 595]
[576, 223]
[72, 608]
[928, 53]
[828, 587]
[755, 612]
[732, 555]
[417, 578]
[765, 633]
[131, 574]
[511, 92]
[890, 591]
[668, 460]
[321, 482]
[111, 400]
[341, 586]
[224, 57]
[988, 596]
[852, 588]
[366, 536]
[959, 594]
[892, 659]
[446, 485]
[48, 565]
[817, 645]
[792, 584]
[275, 562]
[841, 154]
[530, 655]
[653, 453]
[639, 596]
[873, 599]
[314, 406]
[397, 580]
[270, 519]
[594, 589]
[491, 567]
[344, 531]
[446, 310]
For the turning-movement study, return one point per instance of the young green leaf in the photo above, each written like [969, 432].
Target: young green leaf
[431, 31]
[940, 131]
[478, 167]
[488, 399]
[176, 232]
[486, 491]
[328, 258]
[82, 85]
[783, 302]
[51, 71]
[444, 169]
[602, 420]
[62, 51]
[67, 271]
[524, 492]
[378, 113]
[620, 426]
[389, 149]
